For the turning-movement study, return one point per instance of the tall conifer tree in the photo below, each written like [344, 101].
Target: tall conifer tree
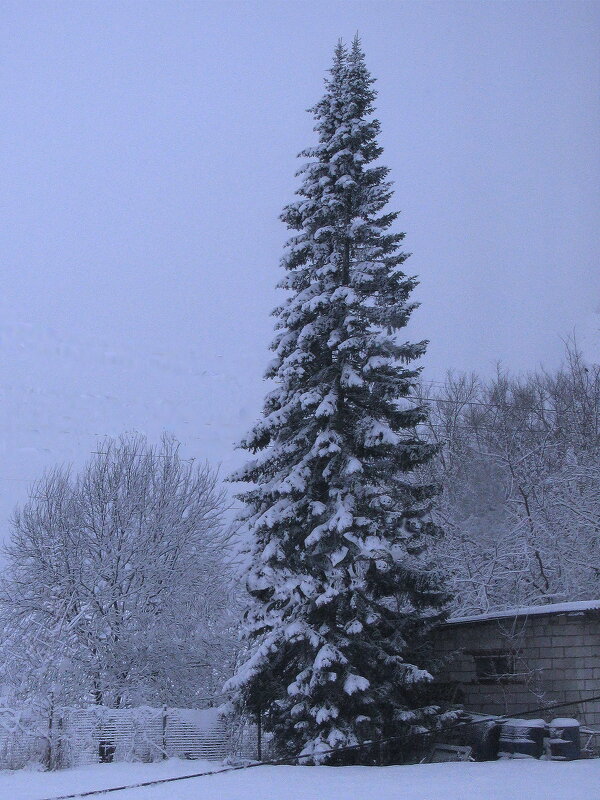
[340, 583]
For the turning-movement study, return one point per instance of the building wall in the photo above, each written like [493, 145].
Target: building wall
[556, 658]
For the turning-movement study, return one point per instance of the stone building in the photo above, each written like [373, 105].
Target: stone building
[510, 662]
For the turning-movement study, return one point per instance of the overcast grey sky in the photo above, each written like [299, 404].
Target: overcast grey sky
[148, 148]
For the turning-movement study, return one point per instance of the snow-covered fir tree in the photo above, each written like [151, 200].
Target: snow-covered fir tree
[342, 591]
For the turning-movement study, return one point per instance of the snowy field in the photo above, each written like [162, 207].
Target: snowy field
[498, 780]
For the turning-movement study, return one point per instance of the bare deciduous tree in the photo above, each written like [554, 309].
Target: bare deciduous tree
[519, 460]
[117, 589]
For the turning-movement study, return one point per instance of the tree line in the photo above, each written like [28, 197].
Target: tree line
[519, 462]
[120, 586]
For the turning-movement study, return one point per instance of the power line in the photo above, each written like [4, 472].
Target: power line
[540, 410]
[437, 425]
[144, 455]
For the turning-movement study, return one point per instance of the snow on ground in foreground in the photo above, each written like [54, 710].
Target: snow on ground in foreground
[496, 780]
[25, 784]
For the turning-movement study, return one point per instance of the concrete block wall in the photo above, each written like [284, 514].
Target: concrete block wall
[556, 657]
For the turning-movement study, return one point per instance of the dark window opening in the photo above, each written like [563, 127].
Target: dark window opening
[494, 666]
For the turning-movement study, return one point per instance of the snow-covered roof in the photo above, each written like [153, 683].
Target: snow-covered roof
[530, 611]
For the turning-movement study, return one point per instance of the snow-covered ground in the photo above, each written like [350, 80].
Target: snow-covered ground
[497, 780]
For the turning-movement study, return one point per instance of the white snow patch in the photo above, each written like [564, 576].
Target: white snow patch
[530, 611]
[355, 683]
[492, 780]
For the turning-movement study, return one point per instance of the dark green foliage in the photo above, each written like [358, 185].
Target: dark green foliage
[342, 589]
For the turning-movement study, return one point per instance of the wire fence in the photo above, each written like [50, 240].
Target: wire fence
[59, 736]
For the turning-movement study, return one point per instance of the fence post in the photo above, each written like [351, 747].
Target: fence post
[60, 747]
[164, 732]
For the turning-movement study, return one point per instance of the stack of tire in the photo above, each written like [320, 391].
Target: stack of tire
[522, 738]
[564, 739]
